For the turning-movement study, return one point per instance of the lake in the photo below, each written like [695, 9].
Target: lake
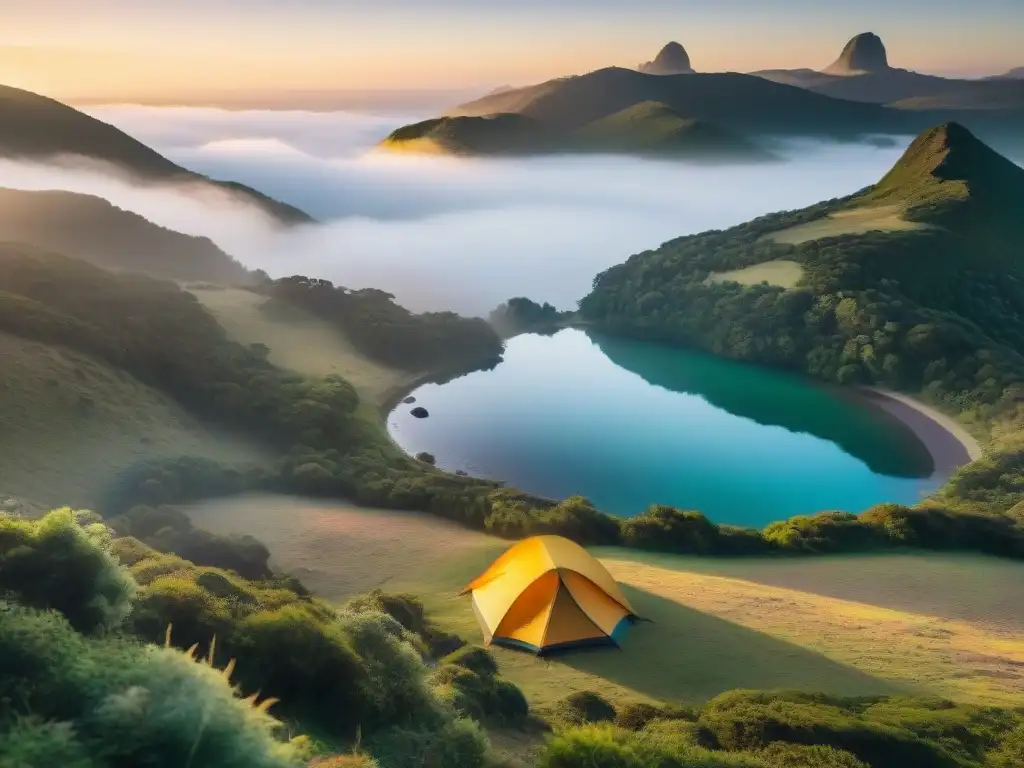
[629, 424]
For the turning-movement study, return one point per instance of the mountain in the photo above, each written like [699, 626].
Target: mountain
[37, 128]
[743, 105]
[1017, 73]
[671, 60]
[862, 73]
[913, 283]
[645, 129]
[864, 54]
[91, 229]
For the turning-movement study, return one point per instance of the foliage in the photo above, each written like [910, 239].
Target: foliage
[170, 342]
[468, 679]
[522, 315]
[56, 563]
[388, 333]
[70, 700]
[170, 530]
[795, 730]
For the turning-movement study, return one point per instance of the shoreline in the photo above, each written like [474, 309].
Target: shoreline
[949, 442]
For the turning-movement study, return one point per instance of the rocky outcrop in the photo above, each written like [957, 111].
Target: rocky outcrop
[671, 60]
[864, 54]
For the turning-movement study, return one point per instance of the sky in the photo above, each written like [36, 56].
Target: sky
[116, 48]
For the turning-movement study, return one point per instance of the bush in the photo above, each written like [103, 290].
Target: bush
[580, 708]
[741, 720]
[90, 702]
[56, 563]
[475, 659]
[308, 664]
[634, 716]
[457, 744]
[480, 696]
[605, 746]
[781, 755]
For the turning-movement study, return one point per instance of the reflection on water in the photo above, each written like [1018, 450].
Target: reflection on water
[629, 423]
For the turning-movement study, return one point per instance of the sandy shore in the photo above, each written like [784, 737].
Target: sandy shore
[949, 443]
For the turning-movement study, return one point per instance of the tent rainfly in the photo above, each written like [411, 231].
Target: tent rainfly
[547, 593]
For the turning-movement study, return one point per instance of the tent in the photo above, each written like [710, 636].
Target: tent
[547, 593]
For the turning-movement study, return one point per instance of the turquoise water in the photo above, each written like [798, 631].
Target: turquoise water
[628, 424]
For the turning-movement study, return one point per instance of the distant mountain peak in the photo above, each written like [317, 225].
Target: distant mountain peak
[864, 54]
[671, 60]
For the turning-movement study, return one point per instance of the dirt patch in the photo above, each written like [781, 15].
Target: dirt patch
[339, 550]
[883, 218]
[301, 342]
[780, 273]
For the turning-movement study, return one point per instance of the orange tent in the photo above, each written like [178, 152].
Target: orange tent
[547, 593]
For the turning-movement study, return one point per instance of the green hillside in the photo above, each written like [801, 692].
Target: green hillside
[37, 128]
[497, 134]
[93, 230]
[654, 128]
[647, 128]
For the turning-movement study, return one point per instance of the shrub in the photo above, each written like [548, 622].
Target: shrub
[741, 720]
[57, 563]
[480, 696]
[308, 664]
[636, 715]
[782, 755]
[606, 746]
[456, 744]
[475, 659]
[580, 708]
[89, 702]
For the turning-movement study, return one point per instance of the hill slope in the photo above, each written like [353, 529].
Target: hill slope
[92, 229]
[37, 128]
[497, 134]
[939, 305]
[653, 128]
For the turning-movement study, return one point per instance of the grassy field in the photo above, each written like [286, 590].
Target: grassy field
[781, 273]
[68, 423]
[950, 625]
[301, 342]
[883, 218]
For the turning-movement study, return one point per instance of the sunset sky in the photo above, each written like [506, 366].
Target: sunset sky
[121, 48]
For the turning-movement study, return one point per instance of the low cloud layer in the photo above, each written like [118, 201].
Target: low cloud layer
[442, 233]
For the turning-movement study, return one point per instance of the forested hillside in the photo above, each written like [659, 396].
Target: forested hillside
[935, 308]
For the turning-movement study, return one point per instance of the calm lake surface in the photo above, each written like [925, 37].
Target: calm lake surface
[629, 424]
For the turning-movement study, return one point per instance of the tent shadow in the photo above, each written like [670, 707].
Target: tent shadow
[682, 654]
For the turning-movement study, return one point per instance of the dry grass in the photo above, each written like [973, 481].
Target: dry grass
[951, 625]
[883, 218]
[781, 273]
[963, 648]
[69, 423]
[301, 343]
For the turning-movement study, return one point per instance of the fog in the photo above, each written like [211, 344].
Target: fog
[443, 233]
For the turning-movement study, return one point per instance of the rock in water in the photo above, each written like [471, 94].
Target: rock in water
[419, 412]
[409, 400]
[864, 54]
[671, 60]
